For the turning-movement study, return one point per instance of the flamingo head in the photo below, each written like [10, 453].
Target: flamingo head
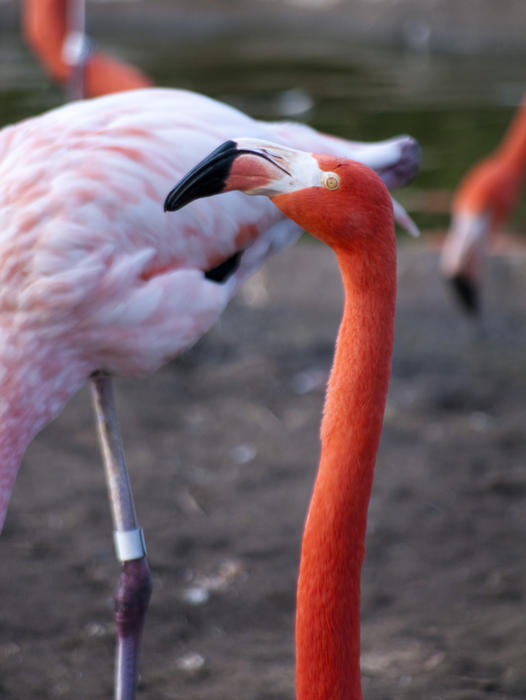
[303, 185]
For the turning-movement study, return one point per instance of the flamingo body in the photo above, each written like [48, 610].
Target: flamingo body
[93, 274]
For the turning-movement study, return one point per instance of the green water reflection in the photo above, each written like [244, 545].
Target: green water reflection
[457, 107]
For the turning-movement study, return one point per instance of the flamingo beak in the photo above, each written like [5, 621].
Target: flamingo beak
[467, 292]
[259, 167]
[251, 166]
[463, 256]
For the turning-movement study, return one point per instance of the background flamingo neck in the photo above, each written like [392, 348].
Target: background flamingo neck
[328, 612]
[512, 149]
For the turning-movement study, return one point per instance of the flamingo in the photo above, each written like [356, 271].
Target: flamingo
[96, 280]
[55, 31]
[347, 206]
[484, 200]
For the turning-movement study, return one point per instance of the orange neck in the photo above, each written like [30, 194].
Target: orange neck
[492, 187]
[512, 149]
[328, 612]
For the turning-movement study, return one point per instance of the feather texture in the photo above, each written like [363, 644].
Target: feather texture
[93, 273]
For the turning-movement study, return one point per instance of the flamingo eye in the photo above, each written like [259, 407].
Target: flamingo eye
[330, 180]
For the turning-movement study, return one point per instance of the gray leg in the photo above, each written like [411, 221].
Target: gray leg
[133, 592]
[77, 48]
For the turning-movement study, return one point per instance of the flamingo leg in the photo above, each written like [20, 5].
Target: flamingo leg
[76, 49]
[134, 587]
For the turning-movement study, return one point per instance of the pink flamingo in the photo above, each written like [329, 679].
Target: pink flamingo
[347, 206]
[96, 280]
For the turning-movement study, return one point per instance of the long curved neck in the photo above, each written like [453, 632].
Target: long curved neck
[328, 606]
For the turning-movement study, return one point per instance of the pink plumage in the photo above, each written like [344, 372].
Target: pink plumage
[94, 275]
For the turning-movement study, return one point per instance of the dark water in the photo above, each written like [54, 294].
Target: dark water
[456, 106]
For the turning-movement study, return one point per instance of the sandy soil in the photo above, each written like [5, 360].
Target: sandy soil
[222, 446]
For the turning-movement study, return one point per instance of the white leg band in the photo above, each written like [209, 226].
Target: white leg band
[129, 544]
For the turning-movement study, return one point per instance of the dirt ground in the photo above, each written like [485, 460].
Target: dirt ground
[223, 445]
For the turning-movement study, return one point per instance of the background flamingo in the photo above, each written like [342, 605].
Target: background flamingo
[484, 200]
[55, 31]
[95, 277]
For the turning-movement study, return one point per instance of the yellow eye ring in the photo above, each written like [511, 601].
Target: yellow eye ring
[330, 180]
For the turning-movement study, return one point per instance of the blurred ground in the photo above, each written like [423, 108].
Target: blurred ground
[222, 447]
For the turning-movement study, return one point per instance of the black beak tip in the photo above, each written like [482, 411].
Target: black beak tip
[467, 293]
[205, 179]
[170, 203]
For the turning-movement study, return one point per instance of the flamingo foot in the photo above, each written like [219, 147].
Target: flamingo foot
[131, 604]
